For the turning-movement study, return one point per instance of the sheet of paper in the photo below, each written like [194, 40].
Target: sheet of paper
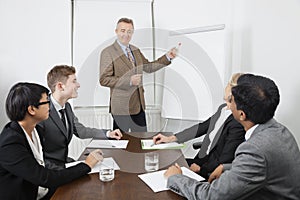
[188, 151]
[148, 144]
[157, 182]
[96, 168]
[118, 144]
[77, 146]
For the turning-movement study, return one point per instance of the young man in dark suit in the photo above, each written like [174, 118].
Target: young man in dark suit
[58, 130]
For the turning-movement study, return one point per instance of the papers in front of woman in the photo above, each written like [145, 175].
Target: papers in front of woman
[148, 144]
[106, 162]
[157, 182]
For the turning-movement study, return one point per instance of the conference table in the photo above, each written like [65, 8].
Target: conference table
[126, 184]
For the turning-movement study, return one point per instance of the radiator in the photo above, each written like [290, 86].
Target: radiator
[99, 117]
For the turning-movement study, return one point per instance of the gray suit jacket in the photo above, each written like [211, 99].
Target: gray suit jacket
[55, 138]
[115, 73]
[265, 167]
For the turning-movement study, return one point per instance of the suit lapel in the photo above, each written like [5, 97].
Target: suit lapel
[206, 140]
[219, 133]
[70, 119]
[122, 55]
[56, 119]
[16, 126]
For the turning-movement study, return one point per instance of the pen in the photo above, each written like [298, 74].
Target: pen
[154, 143]
[106, 145]
[88, 153]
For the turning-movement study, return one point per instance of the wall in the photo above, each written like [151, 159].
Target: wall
[266, 41]
[263, 38]
[35, 35]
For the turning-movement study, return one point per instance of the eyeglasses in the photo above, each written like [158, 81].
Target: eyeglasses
[43, 102]
[228, 99]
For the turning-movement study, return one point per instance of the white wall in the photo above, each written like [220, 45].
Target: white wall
[34, 36]
[266, 41]
[263, 38]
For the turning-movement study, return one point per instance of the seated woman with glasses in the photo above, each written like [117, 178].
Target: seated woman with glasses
[22, 171]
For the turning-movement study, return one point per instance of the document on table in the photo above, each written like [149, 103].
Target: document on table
[157, 182]
[106, 162]
[118, 144]
[77, 146]
[148, 144]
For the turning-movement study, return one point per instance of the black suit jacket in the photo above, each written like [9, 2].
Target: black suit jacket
[21, 174]
[232, 135]
[55, 138]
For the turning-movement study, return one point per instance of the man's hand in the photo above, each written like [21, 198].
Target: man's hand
[174, 169]
[163, 139]
[94, 157]
[172, 53]
[116, 134]
[136, 79]
[195, 168]
[216, 173]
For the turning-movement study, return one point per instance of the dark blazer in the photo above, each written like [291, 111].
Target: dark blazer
[20, 173]
[55, 138]
[115, 73]
[232, 135]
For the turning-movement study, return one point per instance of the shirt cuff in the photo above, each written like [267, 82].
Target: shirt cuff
[107, 133]
[169, 59]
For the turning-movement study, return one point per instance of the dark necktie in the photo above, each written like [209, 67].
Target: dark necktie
[63, 118]
[206, 140]
[129, 55]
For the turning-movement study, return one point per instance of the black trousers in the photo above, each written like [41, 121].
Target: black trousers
[136, 123]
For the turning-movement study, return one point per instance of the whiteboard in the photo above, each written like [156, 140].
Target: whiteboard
[94, 29]
[193, 86]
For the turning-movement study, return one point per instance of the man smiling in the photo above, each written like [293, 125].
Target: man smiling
[57, 131]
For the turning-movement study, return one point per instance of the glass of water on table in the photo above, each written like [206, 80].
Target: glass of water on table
[151, 161]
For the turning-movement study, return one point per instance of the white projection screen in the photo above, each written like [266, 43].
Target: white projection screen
[94, 29]
[193, 86]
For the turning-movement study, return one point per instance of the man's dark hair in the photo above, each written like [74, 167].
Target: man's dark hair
[126, 20]
[257, 96]
[22, 95]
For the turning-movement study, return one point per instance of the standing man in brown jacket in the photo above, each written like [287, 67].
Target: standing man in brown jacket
[121, 69]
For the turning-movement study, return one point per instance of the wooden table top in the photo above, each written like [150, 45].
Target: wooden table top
[126, 184]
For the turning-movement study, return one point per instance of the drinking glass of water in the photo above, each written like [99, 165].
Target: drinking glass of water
[151, 161]
[107, 171]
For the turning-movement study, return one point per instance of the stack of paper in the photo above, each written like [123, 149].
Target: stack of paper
[157, 182]
[119, 144]
[106, 162]
[148, 144]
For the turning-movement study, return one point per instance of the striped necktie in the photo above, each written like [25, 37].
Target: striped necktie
[130, 57]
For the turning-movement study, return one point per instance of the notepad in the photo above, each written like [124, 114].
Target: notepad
[96, 168]
[157, 181]
[118, 144]
[148, 144]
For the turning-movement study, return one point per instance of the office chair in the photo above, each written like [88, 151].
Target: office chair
[197, 145]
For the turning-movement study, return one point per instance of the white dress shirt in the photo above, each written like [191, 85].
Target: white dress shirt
[37, 151]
